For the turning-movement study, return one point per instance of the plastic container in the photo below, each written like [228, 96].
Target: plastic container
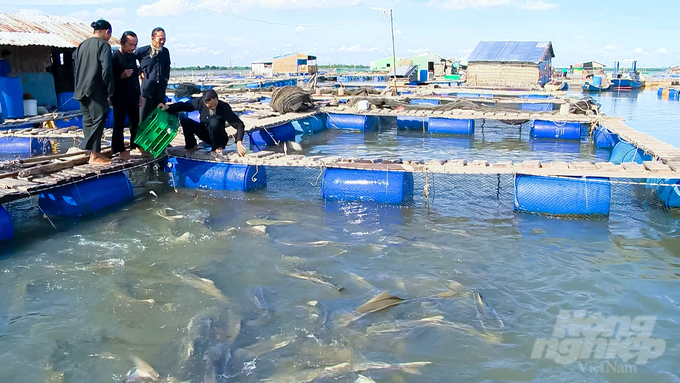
[157, 131]
[556, 130]
[87, 197]
[412, 123]
[66, 102]
[348, 122]
[659, 92]
[604, 139]
[451, 126]
[216, 176]
[597, 81]
[30, 108]
[6, 227]
[424, 102]
[367, 185]
[625, 152]
[12, 95]
[673, 95]
[669, 195]
[273, 136]
[562, 196]
[24, 146]
[537, 107]
[423, 75]
[309, 125]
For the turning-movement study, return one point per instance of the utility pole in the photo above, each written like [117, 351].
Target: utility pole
[394, 50]
[230, 66]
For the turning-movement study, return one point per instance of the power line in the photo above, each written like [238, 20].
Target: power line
[184, 2]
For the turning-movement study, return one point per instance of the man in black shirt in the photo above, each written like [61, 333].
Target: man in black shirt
[154, 60]
[214, 114]
[126, 98]
[94, 86]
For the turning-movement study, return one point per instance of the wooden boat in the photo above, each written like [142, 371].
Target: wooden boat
[626, 79]
[588, 87]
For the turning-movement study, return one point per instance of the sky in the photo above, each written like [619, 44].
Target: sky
[237, 32]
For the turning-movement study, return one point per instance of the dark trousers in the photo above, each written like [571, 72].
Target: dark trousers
[121, 110]
[95, 110]
[213, 134]
[149, 104]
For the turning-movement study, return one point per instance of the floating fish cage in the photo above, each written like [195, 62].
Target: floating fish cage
[24, 146]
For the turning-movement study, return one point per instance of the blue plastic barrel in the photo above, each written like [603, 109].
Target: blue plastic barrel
[24, 146]
[66, 102]
[625, 152]
[659, 92]
[12, 95]
[603, 138]
[423, 75]
[2, 116]
[562, 196]
[669, 195]
[309, 125]
[347, 121]
[367, 185]
[265, 100]
[451, 126]
[556, 130]
[673, 94]
[6, 227]
[597, 81]
[272, 136]
[195, 115]
[87, 197]
[425, 101]
[216, 176]
[416, 123]
[467, 95]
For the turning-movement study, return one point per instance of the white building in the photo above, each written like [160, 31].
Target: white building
[263, 68]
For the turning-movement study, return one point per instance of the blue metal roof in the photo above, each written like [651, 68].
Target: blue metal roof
[512, 51]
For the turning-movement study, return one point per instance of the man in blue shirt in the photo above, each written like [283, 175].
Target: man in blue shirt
[5, 68]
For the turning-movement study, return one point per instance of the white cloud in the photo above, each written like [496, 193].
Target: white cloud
[31, 11]
[356, 48]
[397, 32]
[640, 51]
[162, 8]
[531, 5]
[662, 51]
[299, 29]
[537, 5]
[112, 14]
[240, 6]
[59, 2]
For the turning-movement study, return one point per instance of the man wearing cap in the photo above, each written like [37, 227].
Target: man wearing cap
[94, 87]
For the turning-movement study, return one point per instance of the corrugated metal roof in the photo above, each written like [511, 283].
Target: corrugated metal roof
[19, 29]
[512, 51]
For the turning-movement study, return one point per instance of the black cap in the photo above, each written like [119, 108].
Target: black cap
[101, 25]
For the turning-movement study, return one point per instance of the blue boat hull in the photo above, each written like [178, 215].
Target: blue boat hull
[626, 84]
[594, 88]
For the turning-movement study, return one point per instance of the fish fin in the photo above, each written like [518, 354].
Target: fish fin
[380, 302]
[143, 369]
[413, 368]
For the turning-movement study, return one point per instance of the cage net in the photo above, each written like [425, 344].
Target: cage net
[475, 196]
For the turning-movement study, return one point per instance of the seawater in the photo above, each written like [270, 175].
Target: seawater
[78, 297]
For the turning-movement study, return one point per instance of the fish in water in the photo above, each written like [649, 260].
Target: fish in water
[363, 379]
[434, 321]
[142, 372]
[216, 360]
[309, 244]
[203, 284]
[128, 299]
[163, 213]
[267, 222]
[313, 276]
[311, 375]
[184, 238]
[266, 346]
[198, 332]
[360, 281]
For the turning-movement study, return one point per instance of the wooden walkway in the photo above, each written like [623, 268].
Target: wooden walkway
[663, 151]
[469, 114]
[39, 174]
[14, 123]
[650, 169]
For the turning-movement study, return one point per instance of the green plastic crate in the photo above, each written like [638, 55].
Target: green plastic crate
[157, 131]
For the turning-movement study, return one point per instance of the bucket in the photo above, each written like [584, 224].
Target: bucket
[562, 196]
[30, 108]
[216, 176]
[6, 227]
[86, 197]
[367, 185]
[12, 95]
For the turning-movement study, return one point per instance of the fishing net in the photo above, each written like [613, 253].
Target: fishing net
[291, 99]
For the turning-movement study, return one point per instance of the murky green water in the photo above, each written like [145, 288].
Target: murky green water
[76, 302]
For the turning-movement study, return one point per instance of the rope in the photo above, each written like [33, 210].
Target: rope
[321, 168]
[257, 170]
